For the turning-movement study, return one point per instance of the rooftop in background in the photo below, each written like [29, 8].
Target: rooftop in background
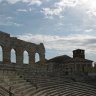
[78, 56]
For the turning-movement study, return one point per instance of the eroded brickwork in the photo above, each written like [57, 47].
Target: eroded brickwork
[8, 43]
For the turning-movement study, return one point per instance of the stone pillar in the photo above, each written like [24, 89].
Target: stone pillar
[41, 52]
[6, 55]
[32, 58]
[86, 68]
[75, 67]
[19, 56]
[42, 58]
[81, 67]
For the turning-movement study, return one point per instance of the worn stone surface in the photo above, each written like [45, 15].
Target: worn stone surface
[8, 43]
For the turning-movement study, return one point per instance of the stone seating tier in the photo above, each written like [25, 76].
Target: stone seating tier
[43, 85]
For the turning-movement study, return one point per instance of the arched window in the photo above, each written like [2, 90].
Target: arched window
[37, 57]
[13, 56]
[1, 54]
[25, 57]
[93, 64]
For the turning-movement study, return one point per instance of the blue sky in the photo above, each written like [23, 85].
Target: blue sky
[62, 25]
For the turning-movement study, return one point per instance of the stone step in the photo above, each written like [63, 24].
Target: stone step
[21, 89]
[28, 91]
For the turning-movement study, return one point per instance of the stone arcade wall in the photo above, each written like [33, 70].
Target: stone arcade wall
[8, 43]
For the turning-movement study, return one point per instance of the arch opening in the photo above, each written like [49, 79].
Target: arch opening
[13, 56]
[37, 57]
[1, 54]
[25, 57]
[93, 64]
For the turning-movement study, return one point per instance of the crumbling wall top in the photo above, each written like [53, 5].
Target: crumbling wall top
[4, 34]
[8, 43]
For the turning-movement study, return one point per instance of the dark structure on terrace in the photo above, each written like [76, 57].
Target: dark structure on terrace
[70, 66]
[8, 43]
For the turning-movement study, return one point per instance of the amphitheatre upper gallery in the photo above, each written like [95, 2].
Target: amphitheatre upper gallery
[8, 43]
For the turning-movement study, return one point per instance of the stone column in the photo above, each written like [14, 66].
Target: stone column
[19, 56]
[81, 65]
[32, 58]
[42, 58]
[75, 64]
[6, 55]
[86, 68]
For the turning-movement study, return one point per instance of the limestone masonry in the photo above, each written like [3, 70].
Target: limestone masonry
[7, 43]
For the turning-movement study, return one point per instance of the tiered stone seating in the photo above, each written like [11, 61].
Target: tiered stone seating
[19, 86]
[47, 86]
[40, 85]
[4, 92]
[66, 89]
[54, 86]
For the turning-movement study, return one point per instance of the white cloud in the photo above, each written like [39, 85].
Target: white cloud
[22, 10]
[10, 24]
[38, 2]
[50, 12]
[70, 42]
[68, 3]
[25, 10]
[9, 18]
[31, 2]
[12, 1]
[37, 38]
[8, 21]
[88, 30]
[88, 6]
[58, 7]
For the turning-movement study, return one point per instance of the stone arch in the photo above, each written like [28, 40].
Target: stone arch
[37, 57]
[25, 57]
[18, 46]
[13, 55]
[1, 53]
[93, 64]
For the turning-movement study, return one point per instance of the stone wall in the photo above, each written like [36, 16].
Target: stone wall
[8, 43]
